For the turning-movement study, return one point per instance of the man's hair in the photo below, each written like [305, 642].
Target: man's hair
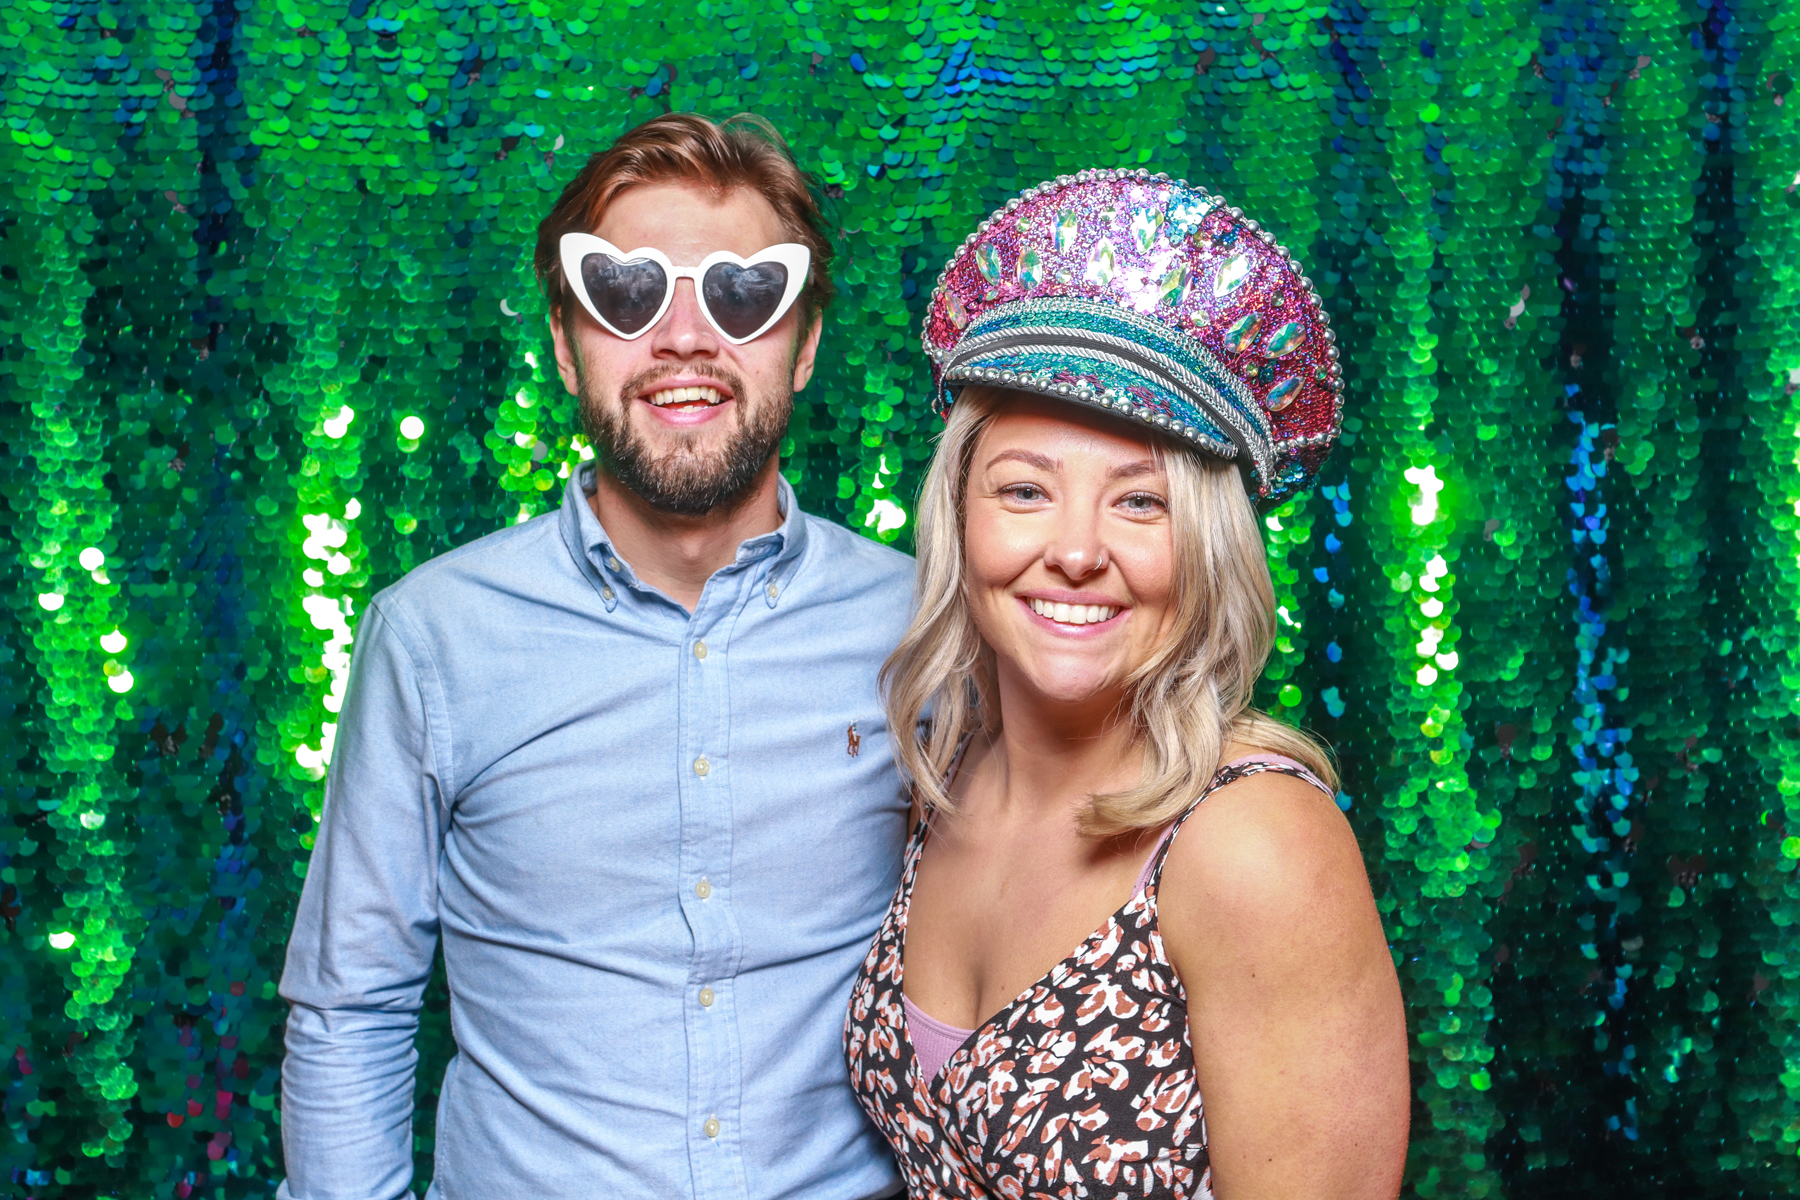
[744, 151]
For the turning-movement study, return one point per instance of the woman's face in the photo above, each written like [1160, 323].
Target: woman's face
[1069, 554]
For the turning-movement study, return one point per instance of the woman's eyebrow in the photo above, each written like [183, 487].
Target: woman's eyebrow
[1129, 470]
[1029, 457]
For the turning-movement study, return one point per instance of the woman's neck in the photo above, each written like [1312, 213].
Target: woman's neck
[1049, 758]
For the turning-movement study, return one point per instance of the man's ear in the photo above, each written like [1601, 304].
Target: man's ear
[806, 353]
[566, 364]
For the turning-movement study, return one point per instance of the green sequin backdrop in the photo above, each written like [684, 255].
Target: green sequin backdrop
[268, 338]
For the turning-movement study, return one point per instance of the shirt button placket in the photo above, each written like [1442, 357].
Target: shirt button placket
[710, 815]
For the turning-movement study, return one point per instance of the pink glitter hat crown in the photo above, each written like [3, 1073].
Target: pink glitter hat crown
[1150, 298]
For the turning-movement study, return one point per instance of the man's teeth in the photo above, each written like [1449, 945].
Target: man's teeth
[1074, 614]
[685, 395]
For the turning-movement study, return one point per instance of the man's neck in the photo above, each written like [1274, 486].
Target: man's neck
[675, 554]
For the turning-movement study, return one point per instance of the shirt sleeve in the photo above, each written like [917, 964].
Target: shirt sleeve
[364, 936]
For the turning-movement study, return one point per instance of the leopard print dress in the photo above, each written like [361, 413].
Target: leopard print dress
[1081, 1088]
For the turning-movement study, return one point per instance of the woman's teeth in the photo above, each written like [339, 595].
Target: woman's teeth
[1074, 614]
[669, 397]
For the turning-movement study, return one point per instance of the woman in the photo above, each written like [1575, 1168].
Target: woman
[1126, 365]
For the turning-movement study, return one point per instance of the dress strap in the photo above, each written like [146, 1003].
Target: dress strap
[950, 771]
[915, 845]
[1231, 772]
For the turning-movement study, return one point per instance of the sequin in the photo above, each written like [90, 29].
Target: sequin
[1287, 339]
[1031, 267]
[1102, 263]
[1185, 215]
[1282, 394]
[1232, 275]
[1068, 227]
[987, 261]
[1241, 334]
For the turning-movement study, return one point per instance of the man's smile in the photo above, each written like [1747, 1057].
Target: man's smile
[681, 398]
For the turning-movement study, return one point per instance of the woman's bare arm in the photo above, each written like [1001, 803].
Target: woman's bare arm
[1294, 1009]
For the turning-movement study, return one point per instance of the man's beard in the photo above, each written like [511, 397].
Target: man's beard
[685, 482]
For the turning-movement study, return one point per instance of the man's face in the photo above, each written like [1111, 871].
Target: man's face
[681, 416]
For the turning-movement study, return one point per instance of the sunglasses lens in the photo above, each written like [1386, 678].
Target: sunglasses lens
[626, 293]
[742, 299]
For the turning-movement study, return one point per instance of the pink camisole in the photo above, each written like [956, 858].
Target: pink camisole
[934, 1041]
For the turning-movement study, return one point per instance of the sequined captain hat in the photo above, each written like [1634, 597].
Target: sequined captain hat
[1150, 298]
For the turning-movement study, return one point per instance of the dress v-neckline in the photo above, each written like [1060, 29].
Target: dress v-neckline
[917, 854]
[921, 835]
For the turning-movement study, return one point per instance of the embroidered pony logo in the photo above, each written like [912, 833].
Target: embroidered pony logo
[852, 741]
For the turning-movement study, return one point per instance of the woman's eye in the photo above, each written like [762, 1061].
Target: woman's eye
[1143, 504]
[1025, 493]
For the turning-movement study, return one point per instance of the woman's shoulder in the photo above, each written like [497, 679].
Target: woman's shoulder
[1261, 843]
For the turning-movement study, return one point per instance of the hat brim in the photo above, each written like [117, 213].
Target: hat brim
[1119, 361]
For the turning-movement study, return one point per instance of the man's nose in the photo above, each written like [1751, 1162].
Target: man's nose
[684, 331]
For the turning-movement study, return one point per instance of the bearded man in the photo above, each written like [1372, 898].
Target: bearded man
[627, 761]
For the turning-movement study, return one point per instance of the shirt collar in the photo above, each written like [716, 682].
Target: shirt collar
[590, 546]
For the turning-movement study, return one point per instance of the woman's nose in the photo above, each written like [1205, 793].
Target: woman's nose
[1077, 555]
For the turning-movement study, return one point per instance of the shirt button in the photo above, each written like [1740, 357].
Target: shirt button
[701, 766]
[612, 563]
[706, 997]
[711, 1127]
[703, 889]
[607, 592]
[773, 591]
[699, 649]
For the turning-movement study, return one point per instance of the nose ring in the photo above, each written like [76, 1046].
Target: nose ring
[1100, 563]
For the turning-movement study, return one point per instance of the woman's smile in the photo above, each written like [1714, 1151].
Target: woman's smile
[1069, 615]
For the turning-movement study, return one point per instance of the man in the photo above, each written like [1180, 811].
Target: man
[627, 760]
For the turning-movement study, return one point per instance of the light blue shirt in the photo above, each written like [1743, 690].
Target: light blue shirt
[656, 847]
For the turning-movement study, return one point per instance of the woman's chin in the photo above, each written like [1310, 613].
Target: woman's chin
[1092, 689]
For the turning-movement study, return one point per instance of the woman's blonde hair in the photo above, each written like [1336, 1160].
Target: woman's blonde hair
[1185, 702]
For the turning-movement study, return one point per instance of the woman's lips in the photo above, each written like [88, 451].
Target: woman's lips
[1072, 619]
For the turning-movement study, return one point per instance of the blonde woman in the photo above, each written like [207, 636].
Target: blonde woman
[1127, 367]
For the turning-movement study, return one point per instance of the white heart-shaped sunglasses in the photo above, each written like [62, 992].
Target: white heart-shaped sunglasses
[628, 293]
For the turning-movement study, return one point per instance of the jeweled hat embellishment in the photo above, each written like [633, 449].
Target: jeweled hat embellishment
[1286, 340]
[1144, 227]
[959, 316]
[1155, 300]
[1243, 333]
[1282, 394]
[1102, 263]
[1174, 286]
[1232, 275]
[1031, 267]
[987, 261]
